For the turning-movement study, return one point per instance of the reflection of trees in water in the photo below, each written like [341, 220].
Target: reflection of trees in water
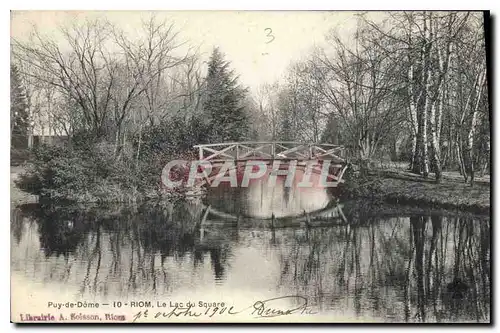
[61, 231]
[437, 269]
[131, 248]
[401, 269]
[17, 223]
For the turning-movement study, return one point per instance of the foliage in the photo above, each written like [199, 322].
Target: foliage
[359, 183]
[19, 117]
[87, 169]
[73, 173]
[224, 101]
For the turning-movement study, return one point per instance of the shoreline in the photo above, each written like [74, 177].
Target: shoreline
[405, 189]
[18, 196]
[395, 188]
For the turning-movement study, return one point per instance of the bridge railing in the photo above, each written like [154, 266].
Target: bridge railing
[272, 150]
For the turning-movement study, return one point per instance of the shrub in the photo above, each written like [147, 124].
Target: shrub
[58, 173]
[90, 168]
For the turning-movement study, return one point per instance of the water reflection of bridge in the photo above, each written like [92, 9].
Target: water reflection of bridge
[328, 216]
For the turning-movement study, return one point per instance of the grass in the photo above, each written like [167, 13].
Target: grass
[18, 196]
[401, 187]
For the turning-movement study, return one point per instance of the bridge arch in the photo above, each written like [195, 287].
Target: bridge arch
[284, 151]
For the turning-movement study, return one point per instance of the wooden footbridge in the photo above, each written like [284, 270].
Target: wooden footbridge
[284, 151]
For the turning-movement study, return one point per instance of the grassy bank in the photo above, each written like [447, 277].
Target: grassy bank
[18, 196]
[98, 166]
[29, 185]
[90, 174]
[403, 188]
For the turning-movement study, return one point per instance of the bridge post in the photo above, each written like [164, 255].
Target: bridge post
[237, 152]
[273, 150]
[201, 152]
[310, 151]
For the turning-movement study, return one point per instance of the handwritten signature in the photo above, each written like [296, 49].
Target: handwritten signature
[268, 308]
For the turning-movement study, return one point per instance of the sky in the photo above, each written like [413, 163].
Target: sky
[246, 37]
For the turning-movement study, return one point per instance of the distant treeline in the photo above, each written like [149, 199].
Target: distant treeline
[412, 87]
[127, 107]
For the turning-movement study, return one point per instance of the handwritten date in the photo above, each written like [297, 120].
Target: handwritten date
[269, 308]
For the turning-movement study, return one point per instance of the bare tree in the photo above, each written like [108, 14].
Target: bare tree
[431, 49]
[109, 76]
[85, 72]
[359, 86]
[152, 59]
[267, 100]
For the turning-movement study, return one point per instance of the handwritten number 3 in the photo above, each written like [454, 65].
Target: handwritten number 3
[269, 34]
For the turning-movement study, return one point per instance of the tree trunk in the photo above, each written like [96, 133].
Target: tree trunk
[30, 139]
[460, 159]
[413, 105]
[117, 143]
[435, 115]
[394, 149]
[459, 147]
[437, 106]
[486, 160]
[470, 136]
[138, 147]
[448, 158]
[414, 165]
[427, 79]
[436, 159]
[439, 115]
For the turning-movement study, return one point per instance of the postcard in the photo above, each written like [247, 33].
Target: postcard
[250, 167]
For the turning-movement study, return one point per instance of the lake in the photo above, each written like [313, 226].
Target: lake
[351, 261]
